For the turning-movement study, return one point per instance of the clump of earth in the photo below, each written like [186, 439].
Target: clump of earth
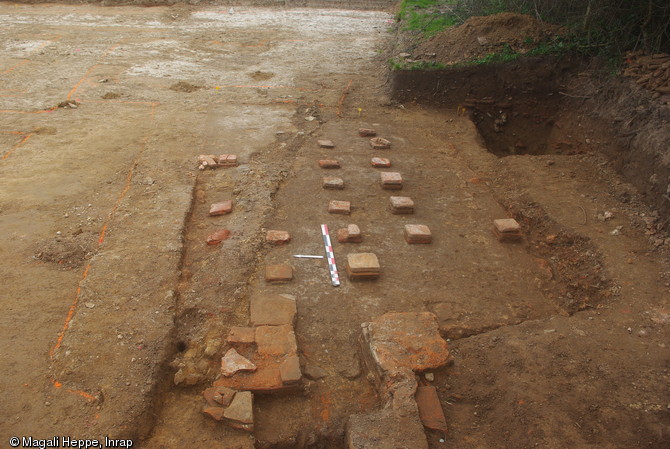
[483, 35]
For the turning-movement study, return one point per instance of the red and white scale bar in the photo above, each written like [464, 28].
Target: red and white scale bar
[332, 267]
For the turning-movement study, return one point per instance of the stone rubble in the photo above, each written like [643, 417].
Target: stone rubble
[379, 143]
[233, 362]
[397, 346]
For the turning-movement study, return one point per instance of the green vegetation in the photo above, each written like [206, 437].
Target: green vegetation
[426, 17]
[401, 64]
[598, 27]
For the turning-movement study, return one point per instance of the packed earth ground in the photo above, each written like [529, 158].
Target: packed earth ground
[109, 287]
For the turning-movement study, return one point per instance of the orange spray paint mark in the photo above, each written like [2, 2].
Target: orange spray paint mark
[76, 86]
[15, 66]
[6, 155]
[326, 402]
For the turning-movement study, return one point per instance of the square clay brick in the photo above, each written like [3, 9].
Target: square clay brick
[507, 225]
[227, 160]
[218, 236]
[329, 163]
[381, 162]
[339, 207]
[391, 180]
[222, 208]
[363, 262]
[241, 335]
[207, 161]
[350, 234]
[367, 132]
[332, 183]
[289, 370]
[507, 230]
[278, 273]
[326, 144]
[417, 234]
[379, 143]
[277, 237]
[402, 205]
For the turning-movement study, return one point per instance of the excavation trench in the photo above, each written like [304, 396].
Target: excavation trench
[556, 106]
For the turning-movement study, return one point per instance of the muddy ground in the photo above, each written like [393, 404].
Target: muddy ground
[560, 341]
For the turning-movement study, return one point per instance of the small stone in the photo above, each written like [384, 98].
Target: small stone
[380, 162]
[314, 372]
[329, 163]
[241, 335]
[218, 396]
[89, 305]
[222, 208]
[402, 205]
[227, 160]
[339, 207]
[277, 237]
[430, 409]
[391, 180]
[430, 377]
[212, 346]
[326, 144]
[207, 161]
[367, 132]
[507, 225]
[351, 368]
[278, 273]
[218, 236]
[333, 183]
[241, 408]
[233, 362]
[289, 370]
[379, 143]
[417, 234]
[215, 413]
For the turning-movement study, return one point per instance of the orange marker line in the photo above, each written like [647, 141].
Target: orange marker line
[16, 146]
[15, 66]
[101, 239]
[83, 394]
[10, 111]
[76, 86]
[70, 313]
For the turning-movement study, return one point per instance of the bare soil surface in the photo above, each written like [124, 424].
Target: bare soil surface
[480, 36]
[109, 285]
